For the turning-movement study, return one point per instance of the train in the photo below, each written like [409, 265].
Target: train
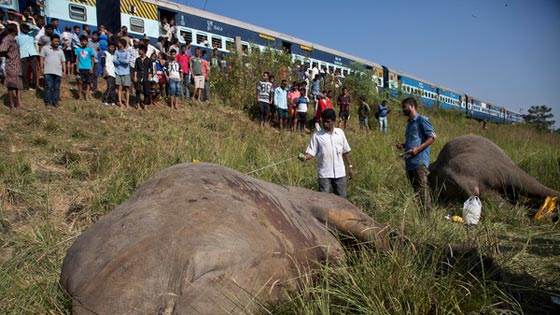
[208, 31]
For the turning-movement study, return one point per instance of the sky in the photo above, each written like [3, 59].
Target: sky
[504, 52]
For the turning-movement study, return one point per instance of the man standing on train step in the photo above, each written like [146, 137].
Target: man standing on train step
[419, 136]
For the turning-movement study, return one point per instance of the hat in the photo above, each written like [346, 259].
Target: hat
[135, 40]
[146, 37]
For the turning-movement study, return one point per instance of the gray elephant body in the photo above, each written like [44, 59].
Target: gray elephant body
[474, 166]
[204, 239]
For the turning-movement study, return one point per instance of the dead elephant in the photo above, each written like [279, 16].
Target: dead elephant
[204, 239]
[474, 166]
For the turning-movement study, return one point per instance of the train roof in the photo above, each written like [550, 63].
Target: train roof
[223, 19]
[428, 82]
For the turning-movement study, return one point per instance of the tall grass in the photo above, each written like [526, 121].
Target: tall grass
[61, 170]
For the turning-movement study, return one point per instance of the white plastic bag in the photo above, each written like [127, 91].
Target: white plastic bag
[471, 210]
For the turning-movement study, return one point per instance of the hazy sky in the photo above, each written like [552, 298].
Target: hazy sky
[504, 52]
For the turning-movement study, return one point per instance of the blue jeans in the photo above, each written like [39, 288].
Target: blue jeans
[52, 91]
[383, 124]
[175, 88]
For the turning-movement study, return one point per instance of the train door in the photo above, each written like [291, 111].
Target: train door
[109, 14]
[287, 47]
[168, 16]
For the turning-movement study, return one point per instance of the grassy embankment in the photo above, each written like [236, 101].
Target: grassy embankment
[62, 169]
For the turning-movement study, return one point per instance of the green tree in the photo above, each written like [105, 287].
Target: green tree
[359, 83]
[540, 116]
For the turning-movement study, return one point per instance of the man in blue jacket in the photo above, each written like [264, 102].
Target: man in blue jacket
[419, 136]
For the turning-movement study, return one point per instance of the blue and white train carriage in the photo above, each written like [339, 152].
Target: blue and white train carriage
[201, 28]
[207, 30]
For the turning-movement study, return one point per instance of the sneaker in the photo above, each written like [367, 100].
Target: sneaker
[105, 104]
[113, 104]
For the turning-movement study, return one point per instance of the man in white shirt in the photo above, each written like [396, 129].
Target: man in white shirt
[331, 148]
[281, 100]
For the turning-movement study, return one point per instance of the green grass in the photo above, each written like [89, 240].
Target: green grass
[61, 170]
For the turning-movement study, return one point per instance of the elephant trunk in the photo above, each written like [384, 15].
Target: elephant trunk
[523, 183]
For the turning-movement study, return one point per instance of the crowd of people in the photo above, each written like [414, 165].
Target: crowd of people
[288, 106]
[36, 54]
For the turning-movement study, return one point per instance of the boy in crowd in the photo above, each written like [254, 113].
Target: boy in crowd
[281, 100]
[28, 54]
[301, 111]
[183, 58]
[134, 54]
[13, 78]
[321, 106]
[93, 43]
[122, 72]
[75, 44]
[66, 39]
[363, 114]
[206, 74]
[293, 97]
[85, 59]
[53, 63]
[174, 75]
[264, 91]
[344, 104]
[195, 64]
[383, 111]
[45, 39]
[143, 71]
[108, 65]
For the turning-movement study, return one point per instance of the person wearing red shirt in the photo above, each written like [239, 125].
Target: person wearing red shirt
[183, 59]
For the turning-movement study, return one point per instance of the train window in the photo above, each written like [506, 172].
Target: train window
[216, 42]
[345, 72]
[230, 45]
[186, 35]
[244, 48]
[136, 25]
[331, 69]
[77, 12]
[202, 39]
